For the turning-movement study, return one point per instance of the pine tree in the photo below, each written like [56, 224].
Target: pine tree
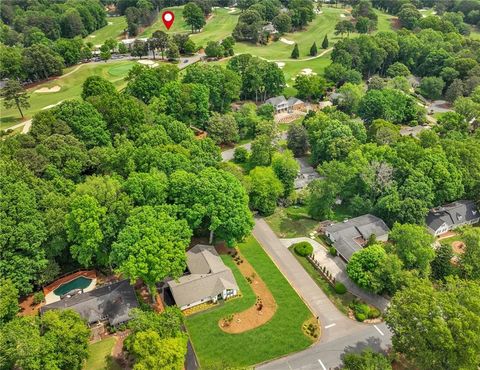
[313, 49]
[295, 52]
[325, 42]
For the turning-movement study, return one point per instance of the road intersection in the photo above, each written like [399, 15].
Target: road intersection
[339, 333]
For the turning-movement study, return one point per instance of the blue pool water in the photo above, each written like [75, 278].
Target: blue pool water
[80, 282]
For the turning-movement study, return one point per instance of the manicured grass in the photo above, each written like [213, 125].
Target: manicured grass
[113, 30]
[71, 87]
[98, 354]
[322, 24]
[384, 21]
[475, 33]
[280, 336]
[179, 25]
[219, 26]
[341, 301]
[291, 222]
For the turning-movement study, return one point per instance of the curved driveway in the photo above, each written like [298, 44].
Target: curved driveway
[339, 333]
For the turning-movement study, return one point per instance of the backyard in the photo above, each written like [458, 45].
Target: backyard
[279, 336]
[99, 356]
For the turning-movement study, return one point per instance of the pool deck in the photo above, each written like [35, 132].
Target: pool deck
[51, 297]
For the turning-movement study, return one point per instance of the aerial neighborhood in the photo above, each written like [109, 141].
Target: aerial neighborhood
[233, 185]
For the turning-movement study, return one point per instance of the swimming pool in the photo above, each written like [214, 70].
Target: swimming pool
[80, 282]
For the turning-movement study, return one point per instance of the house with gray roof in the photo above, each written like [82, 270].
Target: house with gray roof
[450, 216]
[110, 303]
[350, 236]
[207, 280]
[281, 104]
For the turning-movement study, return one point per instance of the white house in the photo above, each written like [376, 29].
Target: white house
[207, 280]
[450, 216]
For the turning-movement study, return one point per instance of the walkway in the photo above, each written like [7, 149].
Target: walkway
[339, 333]
[337, 267]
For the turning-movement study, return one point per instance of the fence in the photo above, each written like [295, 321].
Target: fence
[322, 269]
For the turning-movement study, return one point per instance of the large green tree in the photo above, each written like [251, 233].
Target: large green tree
[223, 84]
[214, 200]
[193, 16]
[286, 168]
[470, 260]
[8, 301]
[15, 95]
[265, 190]
[151, 246]
[152, 352]
[414, 245]
[437, 329]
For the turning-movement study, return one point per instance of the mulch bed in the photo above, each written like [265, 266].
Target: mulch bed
[258, 314]
[458, 247]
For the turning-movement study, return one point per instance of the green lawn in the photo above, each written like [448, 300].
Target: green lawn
[384, 21]
[98, 355]
[341, 301]
[71, 87]
[280, 336]
[291, 222]
[179, 25]
[218, 27]
[113, 30]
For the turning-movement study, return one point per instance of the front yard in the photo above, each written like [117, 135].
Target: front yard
[281, 335]
[291, 222]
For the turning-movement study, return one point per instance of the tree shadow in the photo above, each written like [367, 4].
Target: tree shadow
[372, 343]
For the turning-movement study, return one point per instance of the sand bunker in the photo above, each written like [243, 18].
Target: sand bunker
[307, 72]
[342, 15]
[48, 89]
[285, 41]
[146, 62]
[92, 36]
[280, 64]
[110, 23]
[232, 10]
[51, 105]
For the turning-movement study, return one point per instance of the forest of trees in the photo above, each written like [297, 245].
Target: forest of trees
[285, 16]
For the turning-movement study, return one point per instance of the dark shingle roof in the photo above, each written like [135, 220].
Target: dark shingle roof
[111, 302]
[453, 214]
[348, 234]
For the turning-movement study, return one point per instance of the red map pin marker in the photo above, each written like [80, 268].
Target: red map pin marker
[168, 18]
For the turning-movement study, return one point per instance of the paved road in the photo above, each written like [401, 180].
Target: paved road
[339, 333]
[227, 155]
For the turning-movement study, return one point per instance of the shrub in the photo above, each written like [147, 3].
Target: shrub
[332, 251]
[340, 288]
[303, 249]
[38, 297]
[362, 308]
[360, 316]
[240, 155]
[374, 313]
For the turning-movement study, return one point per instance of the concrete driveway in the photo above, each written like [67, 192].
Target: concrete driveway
[339, 333]
[338, 268]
